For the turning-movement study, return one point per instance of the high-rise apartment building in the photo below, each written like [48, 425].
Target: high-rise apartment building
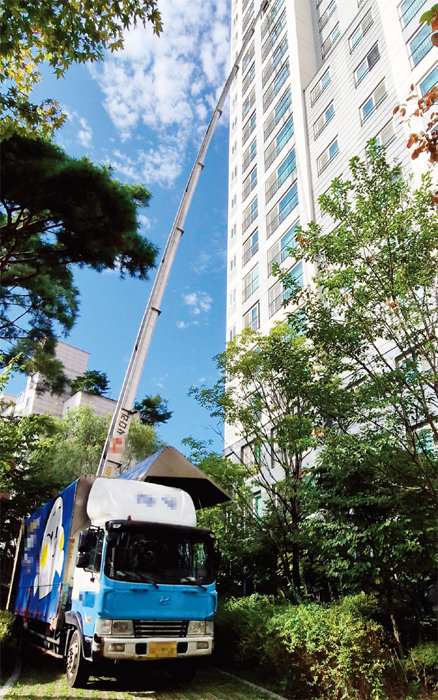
[317, 81]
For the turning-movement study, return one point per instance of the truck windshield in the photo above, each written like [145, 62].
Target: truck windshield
[160, 554]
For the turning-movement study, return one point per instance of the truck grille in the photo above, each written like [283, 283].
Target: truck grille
[160, 628]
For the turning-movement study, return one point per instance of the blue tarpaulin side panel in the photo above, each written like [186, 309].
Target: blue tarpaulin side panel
[43, 558]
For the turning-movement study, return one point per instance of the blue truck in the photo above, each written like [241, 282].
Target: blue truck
[115, 570]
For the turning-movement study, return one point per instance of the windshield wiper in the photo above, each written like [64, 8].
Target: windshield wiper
[142, 578]
[192, 580]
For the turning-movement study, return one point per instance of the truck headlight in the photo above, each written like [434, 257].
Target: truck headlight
[115, 628]
[197, 627]
[123, 628]
[103, 628]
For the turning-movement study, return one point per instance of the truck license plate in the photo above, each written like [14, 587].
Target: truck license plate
[162, 650]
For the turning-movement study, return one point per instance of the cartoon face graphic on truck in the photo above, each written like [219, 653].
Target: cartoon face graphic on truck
[51, 555]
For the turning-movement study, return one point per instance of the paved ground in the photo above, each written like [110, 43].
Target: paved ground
[43, 677]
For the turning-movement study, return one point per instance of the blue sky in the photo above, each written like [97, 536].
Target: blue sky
[144, 110]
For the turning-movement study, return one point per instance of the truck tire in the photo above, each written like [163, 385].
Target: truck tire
[77, 669]
[184, 671]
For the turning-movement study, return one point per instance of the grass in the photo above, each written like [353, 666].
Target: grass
[43, 677]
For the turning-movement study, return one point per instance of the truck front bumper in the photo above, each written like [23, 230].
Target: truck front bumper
[147, 649]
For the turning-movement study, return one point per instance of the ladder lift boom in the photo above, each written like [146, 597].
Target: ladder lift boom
[112, 453]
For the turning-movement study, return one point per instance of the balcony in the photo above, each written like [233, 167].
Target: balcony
[289, 175]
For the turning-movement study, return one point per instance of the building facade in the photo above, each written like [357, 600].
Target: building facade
[317, 81]
[35, 400]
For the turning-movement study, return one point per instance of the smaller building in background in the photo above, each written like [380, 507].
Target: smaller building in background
[35, 400]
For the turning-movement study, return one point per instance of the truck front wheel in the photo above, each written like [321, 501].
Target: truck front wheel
[184, 671]
[76, 668]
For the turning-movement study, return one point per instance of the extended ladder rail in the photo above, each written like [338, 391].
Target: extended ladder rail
[112, 453]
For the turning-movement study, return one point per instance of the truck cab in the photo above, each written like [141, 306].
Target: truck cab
[143, 586]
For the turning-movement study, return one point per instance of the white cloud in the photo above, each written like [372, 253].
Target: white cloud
[85, 133]
[167, 84]
[198, 302]
[144, 221]
[186, 324]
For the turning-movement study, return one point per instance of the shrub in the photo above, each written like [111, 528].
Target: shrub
[241, 628]
[333, 648]
[7, 620]
[319, 651]
[421, 665]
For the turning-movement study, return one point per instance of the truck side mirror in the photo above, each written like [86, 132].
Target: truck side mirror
[84, 541]
[83, 560]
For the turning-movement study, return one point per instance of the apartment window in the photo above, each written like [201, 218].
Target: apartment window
[273, 35]
[233, 202]
[361, 30]
[277, 179]
[327, 156]
[233, 263]
[409, 9]
[249, 155]
[279, 252]
[331, 40]
[232, 333]
[276, 85]
[429, 82]
[250, 283]
[374, 100]
[249, 183]
[248, 17]
[320, 86]
[280, 110]
[248, 128]
[233, 231]
[249, 77]
[281, 210]
[425, 442]
[247, 58]
[249, 101]
[367, 64]
[234, 123]
[324, 18]
[257, 504]
[252, 318]
[232, 297]
[250, 214]
[421, 44]
[250, 247]
[324, 119]
[279, 142]
[278, 293]
[386, 135]
[275, 60]
[267, 23]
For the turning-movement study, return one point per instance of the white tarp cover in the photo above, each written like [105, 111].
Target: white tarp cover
[118, 499]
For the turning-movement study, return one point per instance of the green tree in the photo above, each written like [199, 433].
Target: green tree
[276, 398]
[60, 34]
[81, 436]
[248, 556]
[27, 478]
[58, 212]
[92, 381]
[372, 308]
[40, 455]
[153, 410]
[371, 313]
